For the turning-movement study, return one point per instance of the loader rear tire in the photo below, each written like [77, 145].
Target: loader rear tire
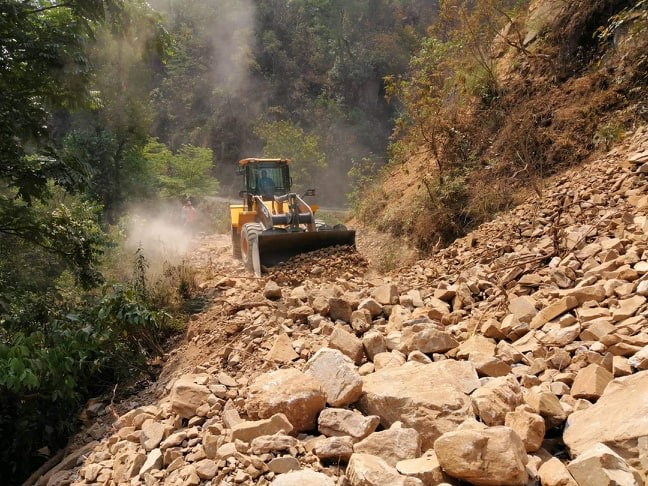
[321, 225]
[250, 232]
[236, 244]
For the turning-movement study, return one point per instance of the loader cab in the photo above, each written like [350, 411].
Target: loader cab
[265, 177]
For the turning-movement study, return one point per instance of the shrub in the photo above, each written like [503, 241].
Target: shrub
[46, 375]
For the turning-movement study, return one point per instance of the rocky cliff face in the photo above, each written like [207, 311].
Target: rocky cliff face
[518, 355]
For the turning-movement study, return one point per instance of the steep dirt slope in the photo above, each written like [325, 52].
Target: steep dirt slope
[570, 77]
[523, 342]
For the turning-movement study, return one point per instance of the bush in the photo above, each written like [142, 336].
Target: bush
[45, 376]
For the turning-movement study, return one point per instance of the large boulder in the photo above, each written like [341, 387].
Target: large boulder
[496, 398]
[301, 478]
[618, 420]
[338, 376]
[188, 393]
[392, 445]
[493, 456]
[431, 398]
[601, 465]
[339, 422]
[368, 470]
[298, 396]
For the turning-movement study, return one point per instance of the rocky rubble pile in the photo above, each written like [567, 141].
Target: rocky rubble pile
[326, 264]
[519, 355]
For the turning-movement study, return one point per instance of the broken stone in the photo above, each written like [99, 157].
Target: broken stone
[272, 443]
[340, 309]
[337, 375]
[272, 290]
[426, 468]
[288, 391]
[523, 308]
[386, 294]
[389, 360]
[187, 395]
[152, 434]
[303, 478]
[554, 310]
[496, 398]
[392, 445]
[301, 313]
[492, 456]
[153, 461]
[342, 422]
[601, 465]
[335, 449]
[206, 469]
[347, 343]
[283, 464]
[590, 382]
[554, 473]
[548, 406]
[427, 338]
[249, 430]
[282, 350]
[373, 343]
[371, 305]
[368, 470]
[529, 426]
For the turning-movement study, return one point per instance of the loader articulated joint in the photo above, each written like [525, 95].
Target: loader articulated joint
[298, 212]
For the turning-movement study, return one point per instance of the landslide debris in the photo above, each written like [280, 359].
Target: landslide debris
[518, 355]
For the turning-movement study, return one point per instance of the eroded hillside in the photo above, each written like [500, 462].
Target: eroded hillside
[491, 111]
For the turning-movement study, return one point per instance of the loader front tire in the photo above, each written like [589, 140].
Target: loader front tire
[249, 237]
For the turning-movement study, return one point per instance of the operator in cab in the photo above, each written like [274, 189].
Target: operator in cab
[266, 185]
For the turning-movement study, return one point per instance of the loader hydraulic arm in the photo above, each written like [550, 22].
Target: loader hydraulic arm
[298, 212]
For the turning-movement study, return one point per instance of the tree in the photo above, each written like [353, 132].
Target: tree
[285, 140]
[43, 69]
[49, 230]
[185, 173]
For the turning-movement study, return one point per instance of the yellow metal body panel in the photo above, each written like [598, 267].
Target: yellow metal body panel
[239, 216]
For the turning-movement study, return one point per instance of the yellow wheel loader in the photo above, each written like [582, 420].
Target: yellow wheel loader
[273, 223]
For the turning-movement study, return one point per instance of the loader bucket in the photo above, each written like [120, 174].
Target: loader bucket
[278, 247]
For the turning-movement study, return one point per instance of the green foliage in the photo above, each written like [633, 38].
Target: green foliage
[41, 240]
[607, 135]
[67, 141]
[186, 172]
[286, 140]
[46, 375]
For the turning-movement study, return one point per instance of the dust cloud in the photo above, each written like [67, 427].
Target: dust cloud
[232, 40]
[159, 235]
[229, 25]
